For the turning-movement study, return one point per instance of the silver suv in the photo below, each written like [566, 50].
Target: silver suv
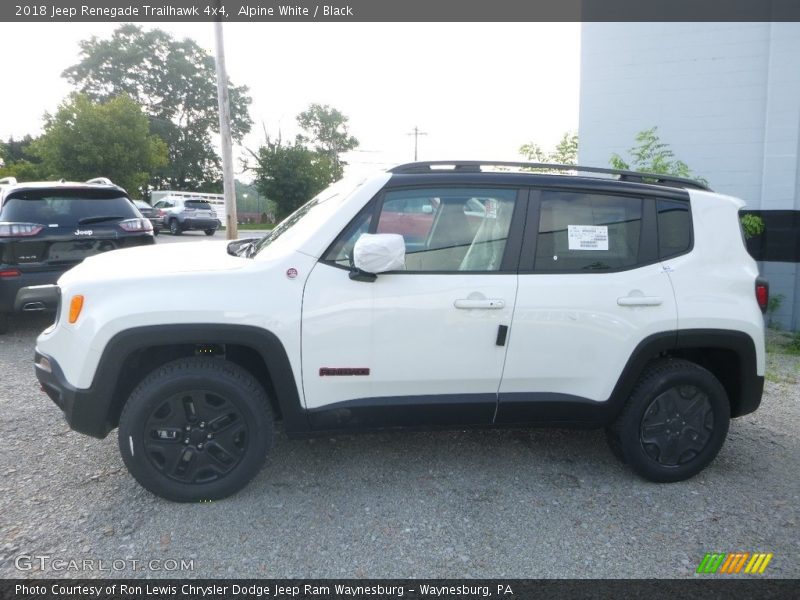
[183, 214]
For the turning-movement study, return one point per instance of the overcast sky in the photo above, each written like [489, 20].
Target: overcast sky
[479, 90]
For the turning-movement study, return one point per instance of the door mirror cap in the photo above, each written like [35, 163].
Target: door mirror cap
[379, 252]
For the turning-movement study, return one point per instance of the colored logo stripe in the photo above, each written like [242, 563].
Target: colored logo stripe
[724, 563]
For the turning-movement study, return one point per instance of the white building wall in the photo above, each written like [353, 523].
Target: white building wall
[724, 96]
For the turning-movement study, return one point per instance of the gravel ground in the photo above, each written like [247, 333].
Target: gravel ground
[511, 503]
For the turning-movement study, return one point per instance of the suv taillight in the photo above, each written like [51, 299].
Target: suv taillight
[19, 229]
[136, 225]
[762, 294]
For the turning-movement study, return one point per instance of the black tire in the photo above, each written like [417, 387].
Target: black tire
[156, 231]
[174, 227]
[3, 323]
[674, 422]
[196, 429]
[210, 232]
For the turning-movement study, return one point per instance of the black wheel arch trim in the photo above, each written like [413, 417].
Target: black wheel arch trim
[92, 411]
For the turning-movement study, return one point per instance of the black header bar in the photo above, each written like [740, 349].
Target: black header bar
[397, 10]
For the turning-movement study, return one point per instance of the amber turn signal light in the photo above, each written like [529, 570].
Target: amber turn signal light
[75, 307]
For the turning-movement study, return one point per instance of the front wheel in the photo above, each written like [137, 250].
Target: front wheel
[174, 227]
[210, 232]
[674, 422]
[196, 429]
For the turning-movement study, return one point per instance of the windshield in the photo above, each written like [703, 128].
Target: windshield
[66, 208]
[198, 205]
[340, 188]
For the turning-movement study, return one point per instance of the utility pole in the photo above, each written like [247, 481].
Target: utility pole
[228, 186]
[416, 133]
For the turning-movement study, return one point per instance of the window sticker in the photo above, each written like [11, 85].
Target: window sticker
[587, 237]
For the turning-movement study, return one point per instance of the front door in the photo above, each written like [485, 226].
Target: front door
[423, 346]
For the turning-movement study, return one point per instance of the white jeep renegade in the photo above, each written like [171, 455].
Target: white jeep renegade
[430, 295]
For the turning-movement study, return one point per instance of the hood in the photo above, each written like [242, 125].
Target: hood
[156, 260]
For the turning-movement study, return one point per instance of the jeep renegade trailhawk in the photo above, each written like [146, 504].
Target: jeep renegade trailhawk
[434, 294]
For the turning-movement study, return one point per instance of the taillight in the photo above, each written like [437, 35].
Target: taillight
[136, 225]
[10, 273]
[19, 229]
[762, 294]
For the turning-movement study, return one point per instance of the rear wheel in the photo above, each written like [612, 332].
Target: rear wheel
[674, 423]
[174, 227]
[196, 429]
[210, 232]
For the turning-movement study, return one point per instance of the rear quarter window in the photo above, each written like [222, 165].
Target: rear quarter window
[674, 228]
[65, 207]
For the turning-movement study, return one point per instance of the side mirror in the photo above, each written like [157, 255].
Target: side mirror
[376, 253]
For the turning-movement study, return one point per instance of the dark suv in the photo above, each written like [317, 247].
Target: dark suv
[47, 228]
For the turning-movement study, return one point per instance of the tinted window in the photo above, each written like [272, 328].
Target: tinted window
[198, 205]
[674, 228]
[581, 232]
[444, 229]
[65, 207]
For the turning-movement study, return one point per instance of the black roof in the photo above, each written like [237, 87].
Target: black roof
[542, 170]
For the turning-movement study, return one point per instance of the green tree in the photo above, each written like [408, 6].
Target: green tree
[175, 82]
[84, 140]
[565, 153]
[17, 159]
[290, 174]
[651, 155]
[326, 129]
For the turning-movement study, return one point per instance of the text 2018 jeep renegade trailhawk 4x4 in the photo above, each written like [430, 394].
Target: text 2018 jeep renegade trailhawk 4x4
[430, 295]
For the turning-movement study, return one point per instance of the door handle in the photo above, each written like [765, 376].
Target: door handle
[490, 303]
[640, 301]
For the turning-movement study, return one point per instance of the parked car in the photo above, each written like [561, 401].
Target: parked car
[182, 214]
[148, 212]
[593, 298]
[49, 227]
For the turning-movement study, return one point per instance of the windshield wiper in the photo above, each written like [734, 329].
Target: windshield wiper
[86, 220]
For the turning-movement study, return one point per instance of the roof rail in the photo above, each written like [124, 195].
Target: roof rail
[474, 166]
[8, 181]
[101, 181]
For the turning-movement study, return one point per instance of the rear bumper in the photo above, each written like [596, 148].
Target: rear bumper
[80, 407]
[13, 295]
[195, 223]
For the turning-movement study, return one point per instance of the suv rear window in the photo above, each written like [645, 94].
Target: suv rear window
[65, 207]
[198, 205]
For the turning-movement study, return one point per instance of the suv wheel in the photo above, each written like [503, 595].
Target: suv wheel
[674, 423]
[196, 429]
[174, 227]
[3, 323]
[210, 232]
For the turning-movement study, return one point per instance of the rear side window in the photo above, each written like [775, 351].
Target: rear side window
[198, 205]
[66, 208]
[674, 228]
[580, 232]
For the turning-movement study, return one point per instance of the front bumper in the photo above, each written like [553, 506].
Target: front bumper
[80, 407]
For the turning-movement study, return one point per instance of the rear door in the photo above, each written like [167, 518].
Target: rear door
[590, 289]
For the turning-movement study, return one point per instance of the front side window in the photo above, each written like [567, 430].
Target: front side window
[444, 229]
[580, 232]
